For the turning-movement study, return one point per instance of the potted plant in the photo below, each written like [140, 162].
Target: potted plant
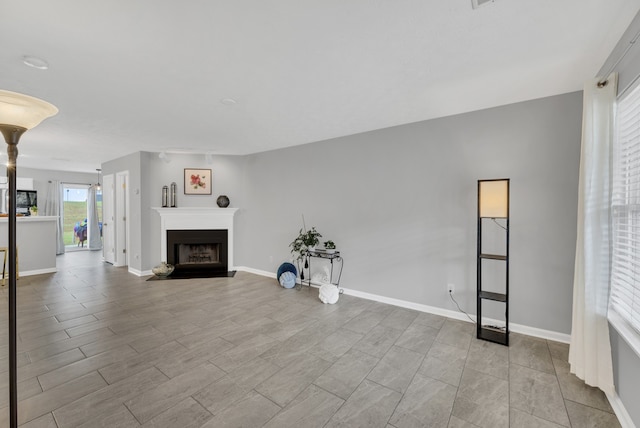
[305, 242]
[312, 238]
[33, 210]
[330, 247]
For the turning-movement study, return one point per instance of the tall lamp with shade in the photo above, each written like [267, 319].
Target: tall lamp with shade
[18, 114]
[493, 204]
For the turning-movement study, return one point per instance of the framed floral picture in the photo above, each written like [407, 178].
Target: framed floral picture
[197, 181]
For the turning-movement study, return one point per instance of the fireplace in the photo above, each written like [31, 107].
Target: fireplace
[198, 253]
[198, 219]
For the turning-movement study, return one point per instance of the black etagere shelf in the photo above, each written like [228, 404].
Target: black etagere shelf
[493, 203]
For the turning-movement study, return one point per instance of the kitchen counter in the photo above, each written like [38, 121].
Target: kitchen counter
[36, 239]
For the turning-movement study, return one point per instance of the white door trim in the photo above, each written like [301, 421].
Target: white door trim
[122, 218]
[108, 220]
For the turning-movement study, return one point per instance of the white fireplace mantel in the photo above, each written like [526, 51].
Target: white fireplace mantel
[196, 218]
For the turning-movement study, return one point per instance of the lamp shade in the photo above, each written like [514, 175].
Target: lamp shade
[23, 111]
[493, 198]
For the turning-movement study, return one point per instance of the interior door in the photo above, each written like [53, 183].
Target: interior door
[108, 221]
[122, 212]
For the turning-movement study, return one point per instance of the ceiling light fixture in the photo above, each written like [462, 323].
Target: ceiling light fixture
[35, 62]
[479, 3]
[18, 113]
[228, 101]
[164, 157]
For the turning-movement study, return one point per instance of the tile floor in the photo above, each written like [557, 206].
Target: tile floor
[99, 347]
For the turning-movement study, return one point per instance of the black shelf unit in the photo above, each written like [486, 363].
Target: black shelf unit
[485, 332]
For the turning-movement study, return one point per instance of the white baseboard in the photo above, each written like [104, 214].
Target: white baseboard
[271, 275]
[538, 332]
[138, 272]
[516, 328]
[36, 272]
[255, 271]
[407, 304]
[621, 412]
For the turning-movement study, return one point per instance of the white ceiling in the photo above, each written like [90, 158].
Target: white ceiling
[130, 75]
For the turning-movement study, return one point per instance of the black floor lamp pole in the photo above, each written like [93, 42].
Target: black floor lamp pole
[12, 137]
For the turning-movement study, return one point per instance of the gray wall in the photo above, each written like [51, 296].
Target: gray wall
[147, 175]
[227, 179]
[626, 363]
[400, 203]
[132, 163]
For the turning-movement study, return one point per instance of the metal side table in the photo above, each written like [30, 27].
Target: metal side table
[332, 257]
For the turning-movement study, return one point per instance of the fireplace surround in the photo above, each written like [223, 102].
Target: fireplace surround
[196, 224]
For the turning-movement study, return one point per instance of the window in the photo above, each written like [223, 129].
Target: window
[625, 213]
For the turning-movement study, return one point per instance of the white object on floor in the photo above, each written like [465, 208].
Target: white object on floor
[288, 280]
[322, 278]
[329, 293]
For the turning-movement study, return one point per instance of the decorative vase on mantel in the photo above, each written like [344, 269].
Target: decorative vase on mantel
[223, 201]
[174, 195]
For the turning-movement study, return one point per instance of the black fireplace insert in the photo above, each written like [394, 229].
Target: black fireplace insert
[198, 253]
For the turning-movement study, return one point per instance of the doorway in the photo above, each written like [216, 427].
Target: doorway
[75, 209]
[74, 218]
[116, 215]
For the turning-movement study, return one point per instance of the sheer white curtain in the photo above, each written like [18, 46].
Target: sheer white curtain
[93, 229]
[590, 349]
[53, 207]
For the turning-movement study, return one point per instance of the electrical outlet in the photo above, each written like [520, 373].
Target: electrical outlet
[450, 288]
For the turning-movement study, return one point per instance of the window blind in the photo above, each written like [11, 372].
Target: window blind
[625, 211]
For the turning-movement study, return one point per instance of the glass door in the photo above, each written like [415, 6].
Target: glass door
[75, 197]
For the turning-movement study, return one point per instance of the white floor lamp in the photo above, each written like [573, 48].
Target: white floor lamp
[18, 113]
